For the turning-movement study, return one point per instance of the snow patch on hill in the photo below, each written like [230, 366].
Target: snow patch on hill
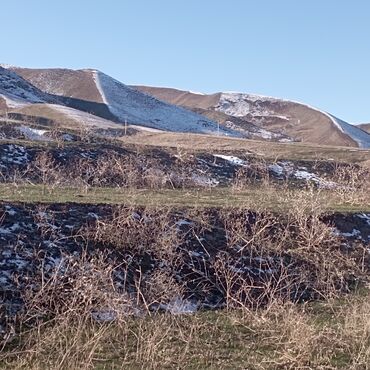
[138, 108]
[99, 86]
[17, 92]
[241, 104]
[361, 137]
[13, 102]
[33, 133]
[83, 117]
[196, 92]
[6, 66]
[90, 120]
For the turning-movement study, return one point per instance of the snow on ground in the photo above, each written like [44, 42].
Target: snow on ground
[196, 92]
[143, 128]
[104, 316]
[283, 169]
[203, 180]
[96, 77]
[360, 233]
[234, 160]
[15, 154]
[352, 234]
[305, 175]
[67, 137]
[10, 211]
[138, 108]
[92, 120]
[365, 217]
[14, 102]
[277, 169]
[361, 137]
[83, 117]
[6, 66]
[33, 134]
[264, 134]
[286, 168]
[241, 104]
[17, 92]
[9, 230]
[180, 306]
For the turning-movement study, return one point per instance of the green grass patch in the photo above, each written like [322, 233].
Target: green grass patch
[254, 198]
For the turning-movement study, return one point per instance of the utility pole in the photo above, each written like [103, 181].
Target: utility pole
[125, 126]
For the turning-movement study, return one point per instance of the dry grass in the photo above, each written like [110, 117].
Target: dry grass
[267, 323]
[262, 327]
[331, 335]
[252, 198]
[268, 150]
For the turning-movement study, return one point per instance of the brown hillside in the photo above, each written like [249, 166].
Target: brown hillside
[365, 127]
[182, 98]
[303, 123]
[78, 84]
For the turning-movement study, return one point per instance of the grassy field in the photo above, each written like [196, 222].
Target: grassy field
[268, 150]
[325, 335]
[216, 197]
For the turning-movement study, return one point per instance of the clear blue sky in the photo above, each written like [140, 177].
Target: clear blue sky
[315, 51]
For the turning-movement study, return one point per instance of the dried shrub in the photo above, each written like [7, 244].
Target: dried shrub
[144, 231]
[352, 183]
[293, 258]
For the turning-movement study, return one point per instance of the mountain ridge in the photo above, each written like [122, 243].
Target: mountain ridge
[94, 92]
[70, 92]
[295, 119]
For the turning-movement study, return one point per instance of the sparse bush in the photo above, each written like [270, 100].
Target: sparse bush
[296, 257]
[144, 231]
[352, 183]
[45, 170]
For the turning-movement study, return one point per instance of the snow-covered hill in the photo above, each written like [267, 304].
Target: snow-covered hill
[241, 105]
[296, 120]
[18, 92]
[226, 113]
[135, 107]
[95, 92]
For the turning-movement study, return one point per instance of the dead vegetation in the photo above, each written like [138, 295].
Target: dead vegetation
[333, 334]
[102, 307]
[53, 169]
[289, 291]
[107, 170]
[346, 183]
[353, 183]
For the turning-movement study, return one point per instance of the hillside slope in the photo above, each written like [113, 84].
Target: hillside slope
[95, 92]
[16, 91]
[71, 92]
[64, 116]
[365, 127]
[299, 121]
